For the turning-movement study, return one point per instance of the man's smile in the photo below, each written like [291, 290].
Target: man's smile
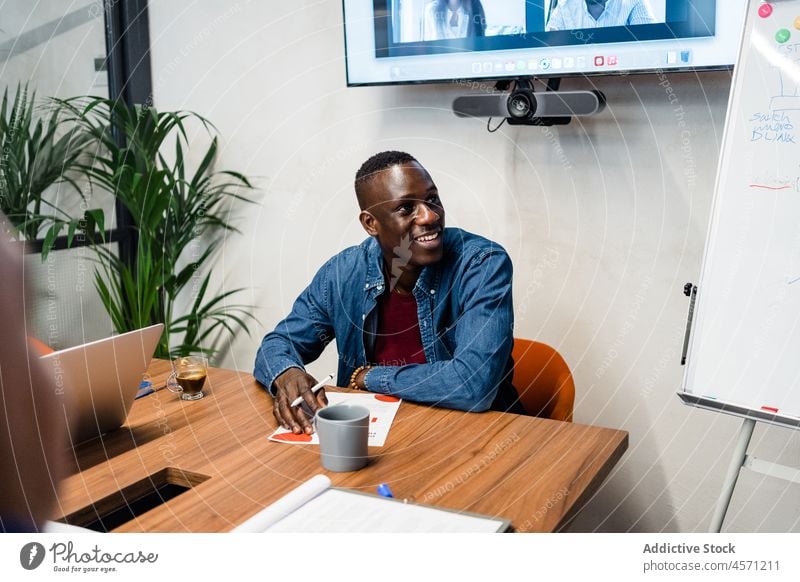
[429, 240]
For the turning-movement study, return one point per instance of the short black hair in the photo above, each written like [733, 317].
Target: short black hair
[378, 163]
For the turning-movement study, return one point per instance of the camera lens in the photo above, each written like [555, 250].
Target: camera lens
[519, 105]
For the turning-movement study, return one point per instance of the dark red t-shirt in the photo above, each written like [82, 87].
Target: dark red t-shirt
[398, 342]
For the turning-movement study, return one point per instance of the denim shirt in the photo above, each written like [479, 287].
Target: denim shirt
[466, 317]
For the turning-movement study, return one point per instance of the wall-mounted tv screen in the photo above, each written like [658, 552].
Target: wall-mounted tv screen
[412, 41]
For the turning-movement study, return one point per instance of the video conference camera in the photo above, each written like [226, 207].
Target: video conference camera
[523, 106]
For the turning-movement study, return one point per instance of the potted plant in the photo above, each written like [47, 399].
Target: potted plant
[36, 152]
[179, 217]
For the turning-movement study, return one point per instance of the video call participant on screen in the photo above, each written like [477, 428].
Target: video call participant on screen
[419, 311]
[576, 14]
[445, 19]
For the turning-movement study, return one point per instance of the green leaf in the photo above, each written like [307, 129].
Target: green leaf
[73, 225]
[95, 219]
[49, 239]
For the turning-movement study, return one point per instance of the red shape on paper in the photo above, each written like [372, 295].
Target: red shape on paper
[374, 419]
[386, 398]
[290, 437]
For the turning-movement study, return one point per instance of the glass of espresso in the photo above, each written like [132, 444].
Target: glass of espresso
[188, 376]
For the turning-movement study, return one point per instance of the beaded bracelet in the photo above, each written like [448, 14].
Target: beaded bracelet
[355, 374]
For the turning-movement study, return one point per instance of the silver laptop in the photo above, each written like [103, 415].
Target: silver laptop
[99, 380]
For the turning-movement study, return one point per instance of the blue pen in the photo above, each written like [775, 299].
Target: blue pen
[384, 491]
[145, 388]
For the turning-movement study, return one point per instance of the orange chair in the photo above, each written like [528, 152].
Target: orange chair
[543, 380]
[39, 347]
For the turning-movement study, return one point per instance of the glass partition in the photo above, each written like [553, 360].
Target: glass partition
[55, 50]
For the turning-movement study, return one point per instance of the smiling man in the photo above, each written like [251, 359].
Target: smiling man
[419, 311]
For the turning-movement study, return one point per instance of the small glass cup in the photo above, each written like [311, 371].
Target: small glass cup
[188, 376]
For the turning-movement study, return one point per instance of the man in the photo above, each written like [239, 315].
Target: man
[418, 311]
[577, 14]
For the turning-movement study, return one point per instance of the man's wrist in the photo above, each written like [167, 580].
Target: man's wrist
[287, 373]
[357, 379]
[360, 379]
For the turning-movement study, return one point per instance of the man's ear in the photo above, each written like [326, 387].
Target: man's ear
[369, 223]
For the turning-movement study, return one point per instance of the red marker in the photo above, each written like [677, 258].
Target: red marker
[770, 409]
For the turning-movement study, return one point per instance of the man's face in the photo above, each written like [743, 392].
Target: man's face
[404, 212]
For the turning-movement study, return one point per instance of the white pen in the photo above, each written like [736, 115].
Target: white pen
[314, 389]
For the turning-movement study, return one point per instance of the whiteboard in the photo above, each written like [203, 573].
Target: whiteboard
[744, 351]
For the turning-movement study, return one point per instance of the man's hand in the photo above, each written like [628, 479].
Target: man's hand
[292, 383]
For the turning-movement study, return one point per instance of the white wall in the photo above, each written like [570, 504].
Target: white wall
[605, 221]
[505, 12]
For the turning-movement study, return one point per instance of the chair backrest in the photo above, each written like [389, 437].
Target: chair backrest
[543, 380]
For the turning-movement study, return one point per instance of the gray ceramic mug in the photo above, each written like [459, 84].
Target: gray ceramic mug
[343, 431]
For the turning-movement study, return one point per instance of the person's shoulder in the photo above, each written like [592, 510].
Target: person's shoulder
[468, 246]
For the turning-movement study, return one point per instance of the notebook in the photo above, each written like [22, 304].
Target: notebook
[316, 507]
[98, 381]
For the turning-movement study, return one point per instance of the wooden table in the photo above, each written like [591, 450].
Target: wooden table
[535, 472]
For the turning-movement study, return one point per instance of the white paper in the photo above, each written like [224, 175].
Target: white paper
[382, 410]
[56, 527]
[335, 510]
[287, 504]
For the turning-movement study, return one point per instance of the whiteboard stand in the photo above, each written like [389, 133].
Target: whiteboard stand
[739, 454]
[742, 459]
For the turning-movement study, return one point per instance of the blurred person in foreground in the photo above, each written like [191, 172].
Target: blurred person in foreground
[31, 442]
